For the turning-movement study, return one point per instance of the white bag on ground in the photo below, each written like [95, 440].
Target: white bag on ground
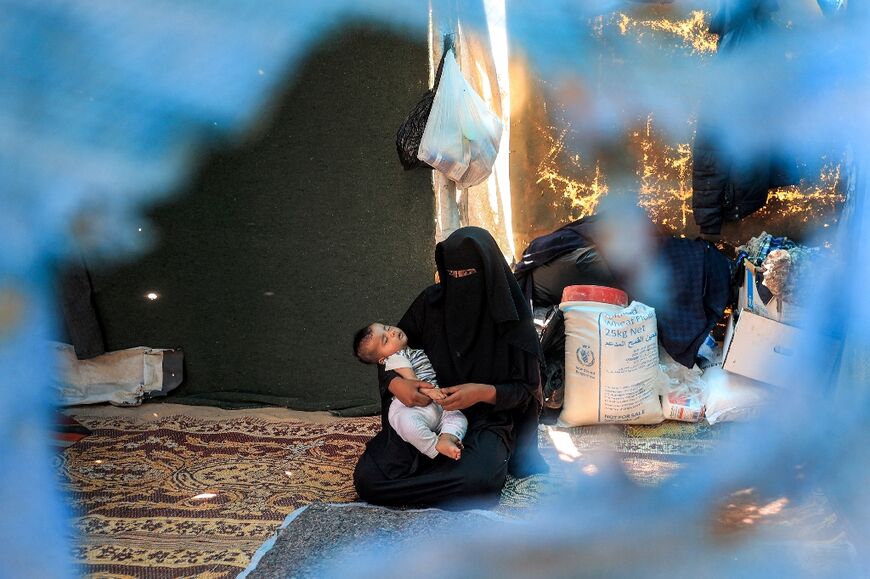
[123, 378]
[683, 390]
[462, 135]
[731, 397]
[611, 364]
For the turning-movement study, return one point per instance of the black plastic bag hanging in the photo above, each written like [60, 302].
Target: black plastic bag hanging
[411, 130]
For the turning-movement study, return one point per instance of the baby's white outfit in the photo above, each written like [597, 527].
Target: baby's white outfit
[421, 425]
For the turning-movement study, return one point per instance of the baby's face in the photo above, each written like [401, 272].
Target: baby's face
[385, 341]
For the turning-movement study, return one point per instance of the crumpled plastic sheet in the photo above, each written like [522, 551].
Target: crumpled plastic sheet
[683, 391]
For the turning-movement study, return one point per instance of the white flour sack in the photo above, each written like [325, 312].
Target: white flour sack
[611, 364]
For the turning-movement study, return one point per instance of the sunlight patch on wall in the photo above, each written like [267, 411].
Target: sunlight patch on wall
[584, 190]
[810, 200]
[691, 32]
[664, 173]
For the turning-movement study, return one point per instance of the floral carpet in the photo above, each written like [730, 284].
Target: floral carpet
[187, 497]
[191, 497]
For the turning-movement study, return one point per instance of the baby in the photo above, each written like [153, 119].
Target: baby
[430, 429]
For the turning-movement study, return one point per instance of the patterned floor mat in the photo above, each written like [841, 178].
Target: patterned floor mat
[191, 497]
[181, 496]
[648, 454]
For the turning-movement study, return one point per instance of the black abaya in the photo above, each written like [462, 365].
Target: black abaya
[501, 438]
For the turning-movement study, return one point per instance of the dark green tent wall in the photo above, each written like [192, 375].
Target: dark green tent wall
[280, 248]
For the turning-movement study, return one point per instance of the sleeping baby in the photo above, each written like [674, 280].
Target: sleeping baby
[430, 429]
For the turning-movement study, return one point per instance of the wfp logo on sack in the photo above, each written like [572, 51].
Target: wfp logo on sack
[585, 355]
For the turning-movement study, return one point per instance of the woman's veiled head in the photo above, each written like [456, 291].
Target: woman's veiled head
[483, 305]
[461, 268]
[473, 268]
[461, 251]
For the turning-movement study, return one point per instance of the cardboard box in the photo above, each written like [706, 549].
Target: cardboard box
[748, 298]
[772, 352]
[786, 312]
[775, 309]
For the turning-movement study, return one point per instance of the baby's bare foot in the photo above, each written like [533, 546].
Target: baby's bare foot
[449, 446]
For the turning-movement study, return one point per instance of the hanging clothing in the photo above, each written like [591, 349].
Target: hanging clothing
[724, 187]
[475, 328]
[697, 290]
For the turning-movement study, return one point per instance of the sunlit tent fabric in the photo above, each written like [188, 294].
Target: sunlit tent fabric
[481, 45]
[566, 156]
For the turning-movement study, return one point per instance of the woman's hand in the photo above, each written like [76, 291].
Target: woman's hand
[408, 391]
[434, 393]
[462, 396]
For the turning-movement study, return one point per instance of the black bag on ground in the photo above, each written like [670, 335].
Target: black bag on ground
[410, 132]
[553, 366]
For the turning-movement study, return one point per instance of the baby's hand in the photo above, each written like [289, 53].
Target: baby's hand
[433, 393]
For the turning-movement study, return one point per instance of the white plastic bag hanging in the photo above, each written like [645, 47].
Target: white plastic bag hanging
[482, 129]
[462, 135]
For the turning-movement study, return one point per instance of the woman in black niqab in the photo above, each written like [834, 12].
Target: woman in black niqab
[484, 312]
[476, 328]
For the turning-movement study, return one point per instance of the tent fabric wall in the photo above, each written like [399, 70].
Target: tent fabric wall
[285, 245]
